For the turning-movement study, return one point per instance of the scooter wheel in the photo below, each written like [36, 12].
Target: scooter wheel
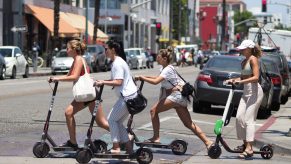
[214, 151]
[144, 156]
[41, 149]
[266, 151]
[101, 146]
[179, 147]
[84, 156]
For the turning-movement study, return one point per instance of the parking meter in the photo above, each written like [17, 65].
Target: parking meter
[35, 50]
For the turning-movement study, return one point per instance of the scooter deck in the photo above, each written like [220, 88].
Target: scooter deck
[114, 155]
[153, 145]
[63, 148]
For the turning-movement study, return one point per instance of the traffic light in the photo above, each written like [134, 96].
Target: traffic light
[158, 28]
[264, 5]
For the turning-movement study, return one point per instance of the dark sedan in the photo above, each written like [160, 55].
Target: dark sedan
[210, 89]
[274, 74]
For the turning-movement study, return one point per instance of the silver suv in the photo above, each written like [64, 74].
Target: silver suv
[100, 62]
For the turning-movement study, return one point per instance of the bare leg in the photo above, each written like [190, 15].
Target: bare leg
[161, 106]
[185, 117]
[100, 118]
[71, 110]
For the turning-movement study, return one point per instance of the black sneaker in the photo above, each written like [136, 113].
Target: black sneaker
[70, 144]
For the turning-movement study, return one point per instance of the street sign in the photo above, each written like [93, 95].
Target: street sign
[22, 28]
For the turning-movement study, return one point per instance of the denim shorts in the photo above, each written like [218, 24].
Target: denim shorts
[177, 97]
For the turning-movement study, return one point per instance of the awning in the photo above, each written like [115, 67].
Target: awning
[46, 17]
[79, 22]
[70, 25]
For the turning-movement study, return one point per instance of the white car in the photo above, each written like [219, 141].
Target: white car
[61, 62]
[15, 61]
[139, 53]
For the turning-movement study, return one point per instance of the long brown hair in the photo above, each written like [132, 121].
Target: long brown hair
[168, 53]
[78, 46]
[256, 51]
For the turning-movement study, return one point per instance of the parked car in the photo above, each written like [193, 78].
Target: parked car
[150, 60]
[274, 73]
[61, 63]
[140, 55]
[90, 60]
[2, 68]
[132, 61]
[281, 61]
[233, 52]
[16, 63]
[100, 60]
[210, 89]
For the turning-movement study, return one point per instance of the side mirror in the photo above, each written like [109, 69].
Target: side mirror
[17, 55]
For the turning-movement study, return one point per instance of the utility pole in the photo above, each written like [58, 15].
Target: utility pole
[194, 23]
[86, 28]
[179, 23]
[223, 25]
[171, 23]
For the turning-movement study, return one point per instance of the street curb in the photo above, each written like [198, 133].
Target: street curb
[39, 74]
[260, 141]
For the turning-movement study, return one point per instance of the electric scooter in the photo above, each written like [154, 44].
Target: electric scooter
[41, 148]
[214, 151]
[178, 146]
[98, 148]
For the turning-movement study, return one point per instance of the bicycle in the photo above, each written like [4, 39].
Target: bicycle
[30, 62]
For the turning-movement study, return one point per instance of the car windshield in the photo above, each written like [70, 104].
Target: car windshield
[6, 52]
[225, 64]
[270, 65]
[275, 58]
[91, 49]
[133, 52]
[62, 54]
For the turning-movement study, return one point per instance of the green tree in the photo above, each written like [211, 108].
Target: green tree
[241, 16]
[179, 23]
[56, 23]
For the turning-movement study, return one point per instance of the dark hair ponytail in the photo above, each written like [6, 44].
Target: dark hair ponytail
[118, 47]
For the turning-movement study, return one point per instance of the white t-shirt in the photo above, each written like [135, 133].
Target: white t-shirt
[120, 70]
[169, 74]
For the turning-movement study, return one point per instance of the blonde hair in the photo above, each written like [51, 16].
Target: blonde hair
[256, 51]
[167, 53]
[78, 46]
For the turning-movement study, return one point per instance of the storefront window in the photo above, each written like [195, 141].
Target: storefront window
[111, 4]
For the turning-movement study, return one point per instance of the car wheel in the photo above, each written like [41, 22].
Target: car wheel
[13, 76]
[284, 99]
[130, 65]
[201, 107]
[264, 113]
[275, 106]
[26, 74]
[3, 73]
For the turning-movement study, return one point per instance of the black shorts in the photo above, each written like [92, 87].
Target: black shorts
[88, 102]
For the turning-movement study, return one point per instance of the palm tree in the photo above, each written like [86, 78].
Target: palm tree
[56, 22]
[96, 20]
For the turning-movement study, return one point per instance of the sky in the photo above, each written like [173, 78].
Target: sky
[255, 6]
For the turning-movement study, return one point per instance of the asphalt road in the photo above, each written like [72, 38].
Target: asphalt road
[24, 104]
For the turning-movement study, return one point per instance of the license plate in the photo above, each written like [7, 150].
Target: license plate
[63, 68]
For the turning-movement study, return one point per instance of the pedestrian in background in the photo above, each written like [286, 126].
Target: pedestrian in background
[251, 99]
[125, 89]
[170, 97]
[76, 49]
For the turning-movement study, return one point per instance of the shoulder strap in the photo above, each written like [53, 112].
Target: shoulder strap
[84, 65]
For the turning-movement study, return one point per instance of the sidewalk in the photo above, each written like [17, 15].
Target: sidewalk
[275, 131]
[43, 71]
